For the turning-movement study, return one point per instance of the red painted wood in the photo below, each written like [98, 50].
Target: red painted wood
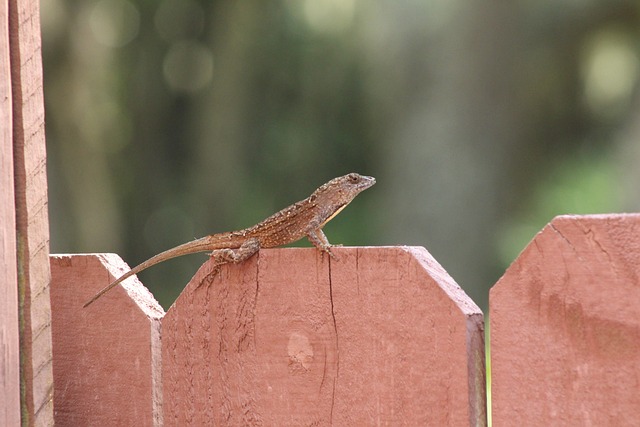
[9, 328]
[381, 336]
[565, 330]
[32, 222]
[106, 358]
[411, 345]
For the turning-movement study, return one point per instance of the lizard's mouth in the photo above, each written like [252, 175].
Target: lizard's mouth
[367, 182]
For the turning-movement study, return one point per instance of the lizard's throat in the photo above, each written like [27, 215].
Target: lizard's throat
[334, 214]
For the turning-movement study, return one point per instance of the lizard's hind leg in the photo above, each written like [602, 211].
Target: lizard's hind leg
[236, 256]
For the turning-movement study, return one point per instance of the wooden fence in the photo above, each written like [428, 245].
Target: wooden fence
[381, 336]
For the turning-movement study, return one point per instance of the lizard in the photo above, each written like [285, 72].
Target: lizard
[304, 218]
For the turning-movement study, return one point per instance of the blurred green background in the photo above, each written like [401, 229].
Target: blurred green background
[172, 119]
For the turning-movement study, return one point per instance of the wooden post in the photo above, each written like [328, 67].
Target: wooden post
[565, 330]
[31, 219]
[9, 327]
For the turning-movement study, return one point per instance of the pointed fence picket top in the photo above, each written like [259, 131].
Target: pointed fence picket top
[381, 336]
[565, 329]
[106, 358]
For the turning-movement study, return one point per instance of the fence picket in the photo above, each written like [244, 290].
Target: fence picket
[381, 336]
[565, 330]
[106, 358]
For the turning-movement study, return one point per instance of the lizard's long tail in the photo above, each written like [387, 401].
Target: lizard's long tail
[203, 244]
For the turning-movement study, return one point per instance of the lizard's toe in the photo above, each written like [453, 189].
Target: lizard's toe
[328, 251]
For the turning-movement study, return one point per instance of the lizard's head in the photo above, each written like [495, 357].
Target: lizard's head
[342, 190]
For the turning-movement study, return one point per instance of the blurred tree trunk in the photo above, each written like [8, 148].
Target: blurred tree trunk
[84, 125]
[447, 175]
[223, 118]
[628, 157]
[487, 96]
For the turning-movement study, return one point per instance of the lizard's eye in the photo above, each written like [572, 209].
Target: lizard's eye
[353, 178]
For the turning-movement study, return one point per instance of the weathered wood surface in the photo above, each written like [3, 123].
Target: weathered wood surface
[565, 330]
[9, 328]
[380, 337]
[411, 342]
[106, 358]
[32, 222]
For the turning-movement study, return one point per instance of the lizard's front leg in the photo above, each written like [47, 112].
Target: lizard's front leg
[320, 241]
[236, 256]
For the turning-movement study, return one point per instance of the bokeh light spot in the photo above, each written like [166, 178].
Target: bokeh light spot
[610, 73]
[114, 23]
[188, 66]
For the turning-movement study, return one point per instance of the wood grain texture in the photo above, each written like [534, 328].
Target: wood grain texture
[32, 222]
[411, 346]
[381, 336]
[106, 358]
[9, 327]
[565, 331]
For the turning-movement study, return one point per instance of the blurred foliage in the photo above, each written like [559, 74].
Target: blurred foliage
[584, 184]
[172, 119]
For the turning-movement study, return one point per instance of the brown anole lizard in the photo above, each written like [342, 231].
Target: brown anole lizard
[304, 218]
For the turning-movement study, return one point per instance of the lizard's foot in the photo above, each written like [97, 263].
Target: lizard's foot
[226, 255]
[320, 241]
[244, 252]
[223, 256]
[327, 249]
